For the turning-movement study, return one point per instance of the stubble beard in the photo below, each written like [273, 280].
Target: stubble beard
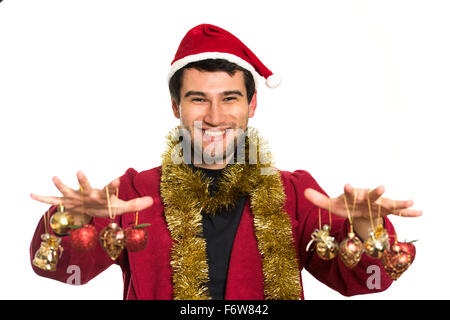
[215, 152]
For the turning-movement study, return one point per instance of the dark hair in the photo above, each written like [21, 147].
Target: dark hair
[211, 65]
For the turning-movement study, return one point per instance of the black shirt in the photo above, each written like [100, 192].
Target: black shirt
[219, 230]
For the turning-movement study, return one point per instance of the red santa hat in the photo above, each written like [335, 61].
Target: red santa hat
[207, 41]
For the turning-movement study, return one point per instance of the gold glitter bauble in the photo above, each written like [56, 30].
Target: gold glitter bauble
[377, 243]
[46, 258]
[60, 221]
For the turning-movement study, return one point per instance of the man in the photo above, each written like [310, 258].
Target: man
[225, 224]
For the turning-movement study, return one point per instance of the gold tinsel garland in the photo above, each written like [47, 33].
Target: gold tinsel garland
[185, 195]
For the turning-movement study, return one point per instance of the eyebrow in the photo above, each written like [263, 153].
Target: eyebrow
[200, 93]
[228, 93]
[194, 93]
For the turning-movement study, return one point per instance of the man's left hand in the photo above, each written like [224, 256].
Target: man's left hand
[362, 213]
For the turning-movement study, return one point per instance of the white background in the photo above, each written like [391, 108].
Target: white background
[364, 100]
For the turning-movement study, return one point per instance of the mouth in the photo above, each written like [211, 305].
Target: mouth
[214, 134]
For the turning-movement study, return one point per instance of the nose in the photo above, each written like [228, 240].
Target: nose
[215, 115]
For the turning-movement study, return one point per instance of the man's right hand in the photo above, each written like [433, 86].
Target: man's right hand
[92, 202]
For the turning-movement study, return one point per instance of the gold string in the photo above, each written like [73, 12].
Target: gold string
[82, 203]
[400, 212]
[109, 203]
[116, 207]
[370, 210]
[350, 215]
[354, 203]
[320, 220]
[379, 214]
[111, 215]
[329, 212]
[137, 214]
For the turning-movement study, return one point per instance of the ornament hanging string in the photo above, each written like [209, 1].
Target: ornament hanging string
[400, 214]
[379, 214]
[329, 216]
[111, 215]
[46, 221]
[82, 202]
[329, 212]
[350, 215]
[320, 220]
[370, 211]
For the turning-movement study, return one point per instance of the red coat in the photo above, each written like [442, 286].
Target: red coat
[147, 274]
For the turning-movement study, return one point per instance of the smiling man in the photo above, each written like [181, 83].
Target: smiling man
[214, 100]
[227, 225]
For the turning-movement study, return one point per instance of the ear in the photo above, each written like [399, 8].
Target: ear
[175, 108]
[252, 106]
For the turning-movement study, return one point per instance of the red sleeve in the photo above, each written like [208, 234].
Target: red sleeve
[367, 277]
[88, 264]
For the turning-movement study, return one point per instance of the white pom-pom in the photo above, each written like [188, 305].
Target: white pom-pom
[273, 81]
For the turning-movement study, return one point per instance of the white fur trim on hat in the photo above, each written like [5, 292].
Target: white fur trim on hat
[177, 65]
[273, 81]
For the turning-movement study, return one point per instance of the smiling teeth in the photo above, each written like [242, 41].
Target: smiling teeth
[214, 133]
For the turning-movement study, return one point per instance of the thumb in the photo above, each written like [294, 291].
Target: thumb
[112, 186]
[137, 204]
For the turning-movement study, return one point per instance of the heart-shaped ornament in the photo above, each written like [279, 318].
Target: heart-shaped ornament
[113, 240]
[350, 250]
[398, 258]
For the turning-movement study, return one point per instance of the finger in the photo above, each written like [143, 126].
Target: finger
[374, 194]
[46, 199]
[349, 190]
[317, 198]
[409, 213]
[112, 186]
[362, 194]
[65, 190]
[83, 181]
[134, 205]
[394, 205]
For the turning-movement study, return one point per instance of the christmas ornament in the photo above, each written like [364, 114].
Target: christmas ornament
[83, 238]
[351, 248]
[61, 221]
[113, 240]
[378, 240]
[137, 236]
[326, 246]
[398, 258]
[46, 257]
[49, 252]
[112, 237]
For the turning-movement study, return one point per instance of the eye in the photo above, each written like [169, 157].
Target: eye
[230, 98]
[198, 100]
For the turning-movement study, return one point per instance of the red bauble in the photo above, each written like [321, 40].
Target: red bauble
[84, 238]
[136, 238]
[408, 247]
[350, 250]
[398, 259]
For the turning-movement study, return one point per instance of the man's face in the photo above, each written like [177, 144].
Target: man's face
[214, 110]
